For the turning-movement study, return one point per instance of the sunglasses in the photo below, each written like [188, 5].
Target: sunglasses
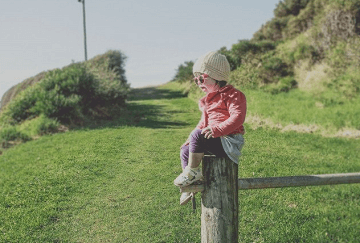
[200, 79]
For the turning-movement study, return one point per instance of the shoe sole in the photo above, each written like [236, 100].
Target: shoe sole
[188, 198]
[191, 182]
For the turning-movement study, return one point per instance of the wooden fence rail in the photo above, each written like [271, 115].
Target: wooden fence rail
[288, 181]
[219, 197]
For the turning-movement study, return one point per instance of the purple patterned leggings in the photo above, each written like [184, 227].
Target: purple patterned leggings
[199, 144]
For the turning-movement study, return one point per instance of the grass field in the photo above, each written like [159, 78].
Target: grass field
[112, 182]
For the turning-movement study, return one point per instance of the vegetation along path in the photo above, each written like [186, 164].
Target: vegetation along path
[113, 182]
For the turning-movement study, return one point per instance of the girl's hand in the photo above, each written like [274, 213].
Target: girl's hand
[207, 132]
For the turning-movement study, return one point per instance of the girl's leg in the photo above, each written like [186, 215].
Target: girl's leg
[184, 156]
[198, 145]
[196, 149]
[195, 159]
[193, 153]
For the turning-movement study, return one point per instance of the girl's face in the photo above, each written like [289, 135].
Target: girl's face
[206, 84]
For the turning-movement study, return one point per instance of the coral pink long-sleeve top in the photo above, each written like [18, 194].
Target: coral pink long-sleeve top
[223, 111]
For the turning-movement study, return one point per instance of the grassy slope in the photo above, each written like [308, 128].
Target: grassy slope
[295, 110]
[113, 183]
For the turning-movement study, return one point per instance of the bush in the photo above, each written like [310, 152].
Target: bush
[274, 68]
[44, 125]
[73, 93]
[287, 7]
[10, 133]
[272, 30]
[117, 64]
[285, 84]
[184, 72]
[240, 49]
[303, 21]
[109, 71]
[245, 76]
[230, 57]
[304, 51]
[347, 84]
[19, 108]
[245, 50]
[63, 94]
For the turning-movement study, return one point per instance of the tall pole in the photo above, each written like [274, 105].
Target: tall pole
[83, 2]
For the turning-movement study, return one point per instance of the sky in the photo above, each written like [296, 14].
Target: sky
[155, 35]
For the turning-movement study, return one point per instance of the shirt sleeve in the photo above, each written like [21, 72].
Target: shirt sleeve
[201, 123]
[236, 105]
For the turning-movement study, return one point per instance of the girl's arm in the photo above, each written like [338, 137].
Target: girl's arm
[236, 105]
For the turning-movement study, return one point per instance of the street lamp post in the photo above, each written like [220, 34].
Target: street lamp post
[83, 2]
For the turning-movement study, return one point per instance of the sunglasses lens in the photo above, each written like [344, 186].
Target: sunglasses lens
[201, 79]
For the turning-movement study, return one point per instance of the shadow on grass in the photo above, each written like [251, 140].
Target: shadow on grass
[132, 115]
[142, 115]
[150, 93]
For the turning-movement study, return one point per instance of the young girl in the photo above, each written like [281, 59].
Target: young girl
[220, 129]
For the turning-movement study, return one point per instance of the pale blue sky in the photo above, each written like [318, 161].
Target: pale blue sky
[156, 35]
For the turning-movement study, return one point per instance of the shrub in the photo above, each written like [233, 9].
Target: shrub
[347, 84]
[230, 57]
[287, 7]
[337, 57]
[272, 30]
[274, 68]
[64, 94]
[245, 50]
[74, 92]
[265, 46]
[15, 90]
[285, 84]
[44, 125]
[303, 21]
[112, 87]
[117, 64]
[303, 51]
[10, 133]
[19, 108]
[245, 76]
[184, 72]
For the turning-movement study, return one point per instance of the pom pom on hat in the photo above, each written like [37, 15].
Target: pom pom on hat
[213, 64]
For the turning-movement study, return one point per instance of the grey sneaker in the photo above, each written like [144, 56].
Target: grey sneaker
[188, 177]
[186, 197]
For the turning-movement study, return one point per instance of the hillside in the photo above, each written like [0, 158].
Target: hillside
[112, 182]
[109, 178]
[59, 99]
[310, 45]
[308, 53]
[105, 67]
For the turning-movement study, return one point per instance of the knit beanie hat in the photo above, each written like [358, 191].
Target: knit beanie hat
[213, 64]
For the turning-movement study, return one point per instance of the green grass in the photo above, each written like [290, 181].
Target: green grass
[297, 107]
[112, 182]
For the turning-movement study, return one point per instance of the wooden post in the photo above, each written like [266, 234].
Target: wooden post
[219, 201]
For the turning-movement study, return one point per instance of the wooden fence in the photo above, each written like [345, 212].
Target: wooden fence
[219, 197]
